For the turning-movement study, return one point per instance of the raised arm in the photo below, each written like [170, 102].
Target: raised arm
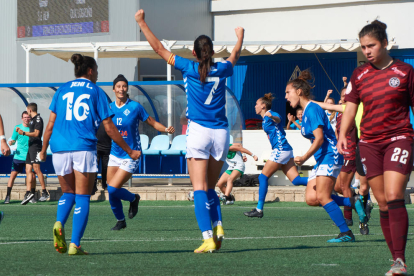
[151, 38]
[158, 126]
[239, 147]
[328, 94]
[347, 120]
[327, 106]
[291, 119]
[235, 54]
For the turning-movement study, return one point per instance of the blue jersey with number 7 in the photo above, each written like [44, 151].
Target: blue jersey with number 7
[80, 107]
[206, 102]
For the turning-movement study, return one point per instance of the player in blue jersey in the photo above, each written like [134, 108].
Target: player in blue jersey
[316, 127]
[128, 113]
[208, 136]
[282, 153]
[77, 109]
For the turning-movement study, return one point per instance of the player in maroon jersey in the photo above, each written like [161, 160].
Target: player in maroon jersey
[385, 86]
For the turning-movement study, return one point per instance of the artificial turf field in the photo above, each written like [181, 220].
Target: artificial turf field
[289, 240]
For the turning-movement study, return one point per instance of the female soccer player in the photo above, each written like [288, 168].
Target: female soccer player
[385, 87]
[235, 170]
[295, 125]
[282, 154]
[128, 113]
[316, 127]
[77, 109]
[207, 132]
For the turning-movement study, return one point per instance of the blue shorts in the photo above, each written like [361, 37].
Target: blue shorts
[18, 166]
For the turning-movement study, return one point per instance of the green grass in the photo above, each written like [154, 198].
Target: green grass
[289, 240]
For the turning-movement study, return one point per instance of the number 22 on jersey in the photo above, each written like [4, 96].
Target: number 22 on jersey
[78, 104]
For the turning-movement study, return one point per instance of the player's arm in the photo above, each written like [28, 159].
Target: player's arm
[346, 123]
[328, 94]
[235, 54]
[158, 126]
[238, 147]
[297, 125]
[291, 119]
[47, 135]
[29, 134]
[276, 119]
[317, 143]
[151, 38]
[327, 106]
[5, 150]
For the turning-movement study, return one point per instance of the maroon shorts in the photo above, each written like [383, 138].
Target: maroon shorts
[349, 166]
[394, 156]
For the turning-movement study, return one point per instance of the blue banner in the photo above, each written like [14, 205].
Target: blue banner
[63, 29]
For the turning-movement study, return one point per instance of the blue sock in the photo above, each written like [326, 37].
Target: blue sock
[202, 210]
[300, 181]
[341, 201]
[122, 193]
[65, 205]
[335, 213]
[215, 209]
[116, 204]
[80, 218]
[263, 185]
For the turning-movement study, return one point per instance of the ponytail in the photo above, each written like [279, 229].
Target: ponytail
[203, 47]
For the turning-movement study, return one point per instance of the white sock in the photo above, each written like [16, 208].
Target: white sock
[217, 223]
[207, 234]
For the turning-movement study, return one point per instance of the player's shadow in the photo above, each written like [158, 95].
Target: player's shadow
[283, 248]
[143, 252]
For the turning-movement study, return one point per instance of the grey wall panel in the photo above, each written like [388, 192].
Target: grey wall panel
[8, 31]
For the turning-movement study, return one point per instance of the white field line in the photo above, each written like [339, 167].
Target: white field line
[187, 239]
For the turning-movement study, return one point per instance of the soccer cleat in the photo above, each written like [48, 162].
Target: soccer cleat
[121, 224]
[76, 250]
[133, 207]
[228, 200]
[208, 246]
[59, 240]
[399, 267]
[232, 198]
[7, 200]
[45, 196]
[363, 228]
[33, 200]
[343, 237]
[368, 209]
[254, 213]
[27, 198]
[218, 235]
[357, 204]
[1, 216]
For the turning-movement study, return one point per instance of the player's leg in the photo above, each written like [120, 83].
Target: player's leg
[10, 183]
[29, 174]
[105, 160]
[291, 172]
[38, 171]
[235, 174]
[221, 183]
[346, 179]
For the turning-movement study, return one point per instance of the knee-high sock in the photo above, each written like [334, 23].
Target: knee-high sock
[263, 186]
[385, 226]
[348, 212]
[300, 181]
[122, 193]
[116, 204]
[80, 217]
[398, 226]
[341, 201]
[65, 205]
[335, 213]
[215, 209]
[202, 213]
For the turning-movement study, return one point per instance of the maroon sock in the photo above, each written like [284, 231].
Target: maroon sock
[348, 212]
[385, 226]
[398, 226]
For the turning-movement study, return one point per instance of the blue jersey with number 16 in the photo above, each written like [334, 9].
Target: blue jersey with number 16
[80, 107]
[206, 102]
[127, 119]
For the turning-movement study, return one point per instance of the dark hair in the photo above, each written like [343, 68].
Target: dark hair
[376, 30]
[330, 98]
[118, 79]
[24, 112]
[302, 82]
[299, 109]
[203, 47]
[267, 100]
[32, 106]
[82, 64]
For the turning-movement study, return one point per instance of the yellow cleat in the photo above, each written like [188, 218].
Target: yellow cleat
[218, 235]
[76, 250]
[208, 246]
[59, 240]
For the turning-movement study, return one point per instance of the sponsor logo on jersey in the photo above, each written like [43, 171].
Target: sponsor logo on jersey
[126, 112]
[349, 88]
[363, 159]
[362, 74]
[402, 74]
[398, 138]
[394, 82]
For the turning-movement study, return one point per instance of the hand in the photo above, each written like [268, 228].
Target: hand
[342, 144]
[244, 158]
[11, 143]
[291, 118]
[140, 16]
[255, 158]
[299, 160]
[268, 114]
[170, 130]
[5, 150]
[344, 79]
[42, 156]
[135, 154]
[239, 32]
[329, 92]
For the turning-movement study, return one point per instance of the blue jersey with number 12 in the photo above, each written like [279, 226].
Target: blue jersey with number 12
[127, 119]
[206, 102]
[80, 107]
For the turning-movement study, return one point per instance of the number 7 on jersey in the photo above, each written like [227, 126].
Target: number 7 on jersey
[216, 81]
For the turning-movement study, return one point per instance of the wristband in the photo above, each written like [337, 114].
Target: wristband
[2, 137]
[24, 133]
[253, 155]
[166, 129]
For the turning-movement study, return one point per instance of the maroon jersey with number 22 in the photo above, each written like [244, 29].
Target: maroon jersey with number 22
[387, 96]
